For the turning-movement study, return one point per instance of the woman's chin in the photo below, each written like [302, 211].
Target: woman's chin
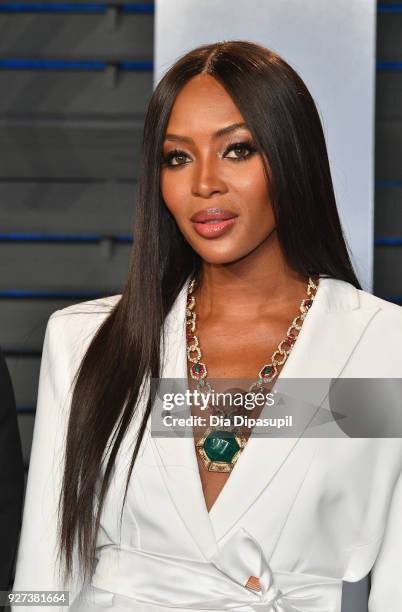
[215, 257]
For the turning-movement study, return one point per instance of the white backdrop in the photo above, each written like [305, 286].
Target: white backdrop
[331, 44]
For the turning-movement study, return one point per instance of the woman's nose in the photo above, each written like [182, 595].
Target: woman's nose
[207, 179]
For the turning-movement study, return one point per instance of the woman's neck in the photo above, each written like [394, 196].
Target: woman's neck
[237, 289]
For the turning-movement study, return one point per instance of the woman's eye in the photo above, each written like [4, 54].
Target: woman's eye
[175, 158]
[241, 150]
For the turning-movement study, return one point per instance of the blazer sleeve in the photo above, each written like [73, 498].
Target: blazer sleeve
[386, 583]
[36, 565]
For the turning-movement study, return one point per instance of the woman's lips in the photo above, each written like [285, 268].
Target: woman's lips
[214, 228]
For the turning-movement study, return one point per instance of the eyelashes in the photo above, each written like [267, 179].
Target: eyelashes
[245, 146]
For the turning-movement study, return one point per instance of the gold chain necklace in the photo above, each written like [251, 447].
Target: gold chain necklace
[220, 446]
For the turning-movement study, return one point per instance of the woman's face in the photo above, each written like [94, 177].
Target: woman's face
[211, 167]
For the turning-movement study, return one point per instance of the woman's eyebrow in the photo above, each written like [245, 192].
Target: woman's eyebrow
[226, 130]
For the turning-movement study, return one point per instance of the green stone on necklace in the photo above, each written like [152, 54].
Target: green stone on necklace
[221, 446]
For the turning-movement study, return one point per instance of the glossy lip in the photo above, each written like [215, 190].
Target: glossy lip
[220, 214]
[216, 229]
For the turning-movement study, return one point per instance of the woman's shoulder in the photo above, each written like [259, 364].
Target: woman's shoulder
[382, 319]
[90, 309]
[390, 310]
[368, 299]
[369, 325]
[384, 329]
[70, 330]
[84, 315]
[345, 295]
[388, 314]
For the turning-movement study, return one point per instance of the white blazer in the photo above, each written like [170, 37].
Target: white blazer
[301, 514]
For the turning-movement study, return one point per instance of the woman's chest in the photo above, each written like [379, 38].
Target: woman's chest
[236, 350]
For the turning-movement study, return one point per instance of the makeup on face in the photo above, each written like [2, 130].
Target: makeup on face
[213, 222]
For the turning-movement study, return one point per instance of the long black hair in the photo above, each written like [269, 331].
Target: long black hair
[284, 121]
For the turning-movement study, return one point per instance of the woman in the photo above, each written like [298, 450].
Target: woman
[236, 222]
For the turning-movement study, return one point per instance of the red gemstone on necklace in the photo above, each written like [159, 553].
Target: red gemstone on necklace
[267, 372]
[198, 370]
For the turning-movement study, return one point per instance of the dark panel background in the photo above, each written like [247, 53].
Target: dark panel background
[388, 154]
[74, 88]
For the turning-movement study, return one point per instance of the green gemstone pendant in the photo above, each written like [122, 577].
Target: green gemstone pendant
[219, 449]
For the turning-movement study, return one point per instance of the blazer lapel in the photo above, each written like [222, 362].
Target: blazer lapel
[329, 334]
[176, 456]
